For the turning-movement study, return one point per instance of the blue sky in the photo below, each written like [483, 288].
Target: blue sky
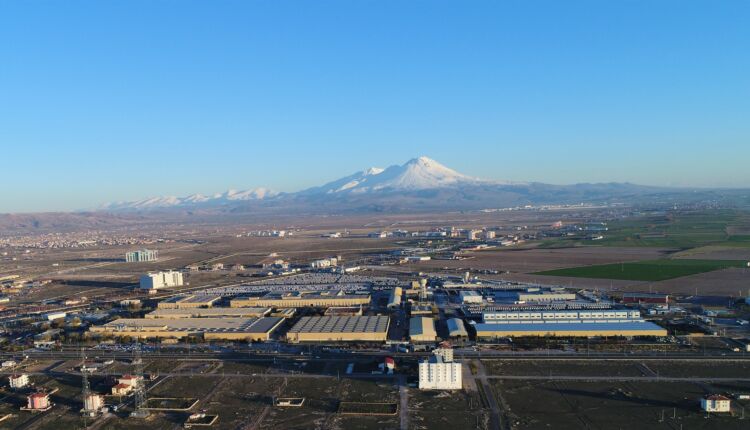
[117, 100]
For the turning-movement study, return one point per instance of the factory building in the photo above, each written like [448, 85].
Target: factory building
[285, 312]
[421, 309]
[141, 256]
[534, 296]
[55, 316]
[422, 329]
[456, 328]
[470, 297]
[157, 280]
[476, 311]
[394, 299]
[299, 299]
[191, 301]
[340, 329]
[613, 315]
[209, 313]
[645, 298]
[256, 329]
[352, 311]
[418, 258]
[582, 323]
[440, 372]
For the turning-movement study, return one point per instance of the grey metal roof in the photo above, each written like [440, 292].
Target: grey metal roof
[341, 324]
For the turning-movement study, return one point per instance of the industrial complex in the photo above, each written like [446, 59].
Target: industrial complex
[570, 323]
[255, 329]
[298, 299]
[340, 329]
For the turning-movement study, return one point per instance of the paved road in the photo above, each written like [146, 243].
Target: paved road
[349, 355]
[481, 377]
[616, 378]
[496, 422]
[403, 392]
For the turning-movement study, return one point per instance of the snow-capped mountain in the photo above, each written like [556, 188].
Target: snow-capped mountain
[420, 173]
[193, 200]
[420, 183]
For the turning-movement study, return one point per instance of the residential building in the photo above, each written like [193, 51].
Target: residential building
[440, 372]
[156, 280]
[324, 263]
[18, 381]
[140, 256]
[38, 401]
[716, 403]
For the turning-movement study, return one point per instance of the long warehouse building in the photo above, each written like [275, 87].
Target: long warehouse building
[209, 313]
[584, 323]
[340, 329]
[256, 329]
[191, 301]
[300, 299]
[422, 329]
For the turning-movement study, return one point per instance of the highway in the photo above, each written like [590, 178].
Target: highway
[299, 352]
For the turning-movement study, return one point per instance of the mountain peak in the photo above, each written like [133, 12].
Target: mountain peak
[424, 161]
[416, 174]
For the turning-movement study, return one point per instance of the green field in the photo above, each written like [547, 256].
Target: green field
[649, 270]
[679, 230]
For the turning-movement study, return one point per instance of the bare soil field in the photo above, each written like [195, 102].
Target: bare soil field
[716, 253]
[536, 260]
[605, 405]
[522, 263]
[446, 410]
[730, 282]
[601, 284]
[562, 368]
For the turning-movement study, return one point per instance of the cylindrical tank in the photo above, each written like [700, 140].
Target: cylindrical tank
[93, 402]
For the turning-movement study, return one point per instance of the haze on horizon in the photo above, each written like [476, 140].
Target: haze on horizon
[111, 101]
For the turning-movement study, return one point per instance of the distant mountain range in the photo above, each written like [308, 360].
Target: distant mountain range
[193, 200]
[417, 174]
[418, 184]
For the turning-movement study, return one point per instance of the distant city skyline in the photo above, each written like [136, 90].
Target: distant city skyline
[112, 101]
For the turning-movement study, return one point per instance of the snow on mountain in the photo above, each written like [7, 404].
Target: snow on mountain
[346, 183]
[416, 174]
[193, 200]
[254, 194]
